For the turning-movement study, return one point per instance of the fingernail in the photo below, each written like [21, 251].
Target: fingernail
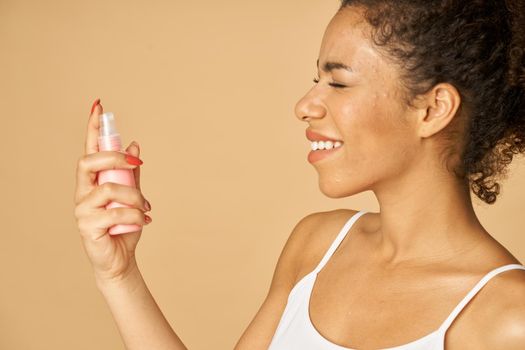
[147, 219]
[97, 101]
[133, 160]
[147, 205]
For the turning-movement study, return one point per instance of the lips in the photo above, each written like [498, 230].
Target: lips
[315, 136]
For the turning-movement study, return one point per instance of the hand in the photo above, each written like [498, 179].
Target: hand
[112, 256]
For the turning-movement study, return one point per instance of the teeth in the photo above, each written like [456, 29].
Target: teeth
[320, 145]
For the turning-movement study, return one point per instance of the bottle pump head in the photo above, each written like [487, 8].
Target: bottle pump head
[107, 124]
[109, 138]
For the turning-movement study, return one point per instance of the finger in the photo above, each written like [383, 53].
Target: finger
[90, 164]
[126, 216]
[113, 192]
[96, 225]
[92, 129]
[134, 150]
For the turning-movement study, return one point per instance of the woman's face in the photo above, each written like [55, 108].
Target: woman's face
[367, 114]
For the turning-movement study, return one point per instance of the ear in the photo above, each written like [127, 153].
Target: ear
[440, 107]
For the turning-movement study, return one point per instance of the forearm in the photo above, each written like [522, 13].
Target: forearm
[139, 319]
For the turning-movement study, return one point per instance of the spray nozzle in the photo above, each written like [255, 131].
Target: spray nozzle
[109, 138]
[107, 124]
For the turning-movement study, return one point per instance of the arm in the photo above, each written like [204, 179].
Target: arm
[142, 325]
[140, 321]
[259, 332]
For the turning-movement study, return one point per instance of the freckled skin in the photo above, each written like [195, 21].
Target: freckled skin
[390, 148]
[365, 115]
[426, 233]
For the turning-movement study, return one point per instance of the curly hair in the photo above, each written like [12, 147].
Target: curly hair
[478, 47]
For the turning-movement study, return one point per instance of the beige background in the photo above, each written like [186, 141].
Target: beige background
[208, 89]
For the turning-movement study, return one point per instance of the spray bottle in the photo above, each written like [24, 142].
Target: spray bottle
[109, 140]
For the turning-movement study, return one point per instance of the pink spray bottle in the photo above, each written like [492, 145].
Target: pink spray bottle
[109, 140]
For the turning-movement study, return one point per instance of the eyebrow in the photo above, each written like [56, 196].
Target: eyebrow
[330, 66]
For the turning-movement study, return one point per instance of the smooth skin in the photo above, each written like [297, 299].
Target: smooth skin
[396, 275]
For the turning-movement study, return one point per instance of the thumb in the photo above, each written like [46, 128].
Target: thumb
[134, 150]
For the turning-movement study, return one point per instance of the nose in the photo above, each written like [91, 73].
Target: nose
[309, 106]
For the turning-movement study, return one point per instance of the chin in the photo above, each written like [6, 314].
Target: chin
[337, 188]
[334, 190]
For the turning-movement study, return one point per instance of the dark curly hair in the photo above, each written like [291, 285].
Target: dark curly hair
[478, 47]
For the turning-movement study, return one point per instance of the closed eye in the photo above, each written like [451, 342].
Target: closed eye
[335, 85]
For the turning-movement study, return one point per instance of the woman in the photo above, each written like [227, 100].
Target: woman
[417, 101]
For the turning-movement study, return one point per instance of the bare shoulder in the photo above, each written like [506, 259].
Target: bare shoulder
[503, 324]
[322, 234]
[292, 253]
[311, 235]
[314, 233]
[261, 329]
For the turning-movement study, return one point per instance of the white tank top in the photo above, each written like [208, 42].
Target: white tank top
[295, 330]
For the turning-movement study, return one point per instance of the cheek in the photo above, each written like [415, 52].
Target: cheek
[374, 133]
[368, 118]
[377, 147]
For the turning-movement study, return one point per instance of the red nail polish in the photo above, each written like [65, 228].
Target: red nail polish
[147, 218]
[133, 160]
[97, 101]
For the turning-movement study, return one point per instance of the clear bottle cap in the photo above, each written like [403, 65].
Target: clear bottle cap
[107, 124]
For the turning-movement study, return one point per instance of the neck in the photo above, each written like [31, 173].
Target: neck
[425, 217]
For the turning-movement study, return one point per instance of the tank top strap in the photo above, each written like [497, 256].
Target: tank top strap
[340, 236]
[474, 291]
